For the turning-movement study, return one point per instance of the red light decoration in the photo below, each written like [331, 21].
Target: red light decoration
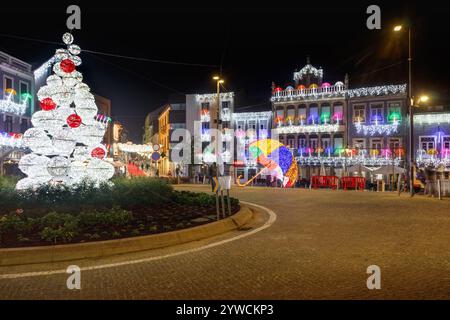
[301, 87]
[98, 152]
[278, 89]
[74, 120]
[67, 66]
[47, 104]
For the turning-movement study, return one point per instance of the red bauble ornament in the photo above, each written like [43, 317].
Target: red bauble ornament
[67, 65]
[74, 121]
[47, 104]
[98, 153]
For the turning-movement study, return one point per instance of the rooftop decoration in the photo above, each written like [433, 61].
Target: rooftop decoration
[308, 69]
[209, 97]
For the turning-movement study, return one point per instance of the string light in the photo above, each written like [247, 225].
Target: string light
[434, 118]
[315, 128]
[380, 129]
[67, 133]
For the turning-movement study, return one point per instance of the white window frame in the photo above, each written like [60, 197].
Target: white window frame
[395, 102]
[372, 107]
[356, 142]
[442, 141]
[4, 84]
[400, 142]
[372, 140]
[430, 136]
[355, 116]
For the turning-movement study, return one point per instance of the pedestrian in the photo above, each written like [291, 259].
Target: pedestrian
[157, 173]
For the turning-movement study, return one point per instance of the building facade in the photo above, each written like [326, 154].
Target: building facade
[17, 88]
[249, 127]
[310, 117]
[432, 138]
[201, 117]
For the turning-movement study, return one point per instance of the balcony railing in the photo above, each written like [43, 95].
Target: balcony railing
[311, 93]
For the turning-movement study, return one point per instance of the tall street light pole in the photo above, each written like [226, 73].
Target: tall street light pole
[218, 120]
[410, 111]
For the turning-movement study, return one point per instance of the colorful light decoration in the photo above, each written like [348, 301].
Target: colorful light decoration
[103, 118]
[276, 159]
[62, 149]
[11, 140]
[10, 106]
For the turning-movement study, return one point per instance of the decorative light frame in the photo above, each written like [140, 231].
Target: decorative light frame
[380, 129]
[314, 128]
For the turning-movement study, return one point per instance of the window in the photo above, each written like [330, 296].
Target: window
[325, 143]
[23, 89]
[325, 116]
[263, 124]
[225, 105]
[338, 114]
[376, 113]
[252, 124]
[376, 144]
[394, 111]
[8, 83]
[359, 143]
[302, 115]
[302, 142]
[241, 125]
[359, 113]
[9, 124]
[313, 143]
[313, 115]
[23, 125]
[446, 142]
[427, 142]
[395, 143]
[291, 142]
[205, 105]
[338, 143]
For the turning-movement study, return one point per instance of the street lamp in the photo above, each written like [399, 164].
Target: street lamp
[399, 28]
[219, 81]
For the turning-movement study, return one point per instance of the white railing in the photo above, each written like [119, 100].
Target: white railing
[307, 93]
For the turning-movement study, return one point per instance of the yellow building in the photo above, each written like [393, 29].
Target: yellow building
[164, 141]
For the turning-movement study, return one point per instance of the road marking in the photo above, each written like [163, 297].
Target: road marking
[267, 224]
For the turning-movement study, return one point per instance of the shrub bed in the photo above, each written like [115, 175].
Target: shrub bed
[126, 208]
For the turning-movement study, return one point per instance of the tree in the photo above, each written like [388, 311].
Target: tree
[66, 136]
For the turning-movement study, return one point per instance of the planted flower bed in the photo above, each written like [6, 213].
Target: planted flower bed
[130, 207]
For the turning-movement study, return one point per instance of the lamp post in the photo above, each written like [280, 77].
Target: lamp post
[218, 112]
[398, 28]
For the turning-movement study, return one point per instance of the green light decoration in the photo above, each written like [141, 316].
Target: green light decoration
[395, 116]
[25, 96]
[325, 117]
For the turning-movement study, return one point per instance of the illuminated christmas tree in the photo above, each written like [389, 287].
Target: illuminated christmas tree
[66, 136]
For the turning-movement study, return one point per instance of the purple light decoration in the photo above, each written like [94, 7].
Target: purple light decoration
[338, 116]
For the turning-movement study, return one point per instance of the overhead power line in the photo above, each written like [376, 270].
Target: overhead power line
[113, 54]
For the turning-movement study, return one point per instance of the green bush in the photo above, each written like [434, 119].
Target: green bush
[114, 217]
[59, 226]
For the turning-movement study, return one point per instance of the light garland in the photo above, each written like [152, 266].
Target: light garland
[308, 69]
[380, 129]
[314, 128]
[67, 133]
[135, 148]
[377, 91]
[8, 106]
[332, 92]
[209, 97]
[248, 116]
[347, 161]
[433, 118]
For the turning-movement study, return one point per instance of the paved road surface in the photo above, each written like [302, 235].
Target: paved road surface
[319, 248]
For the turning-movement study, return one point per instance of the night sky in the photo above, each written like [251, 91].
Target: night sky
[254, 44]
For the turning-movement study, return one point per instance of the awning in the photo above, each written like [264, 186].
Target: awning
[389, 170]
